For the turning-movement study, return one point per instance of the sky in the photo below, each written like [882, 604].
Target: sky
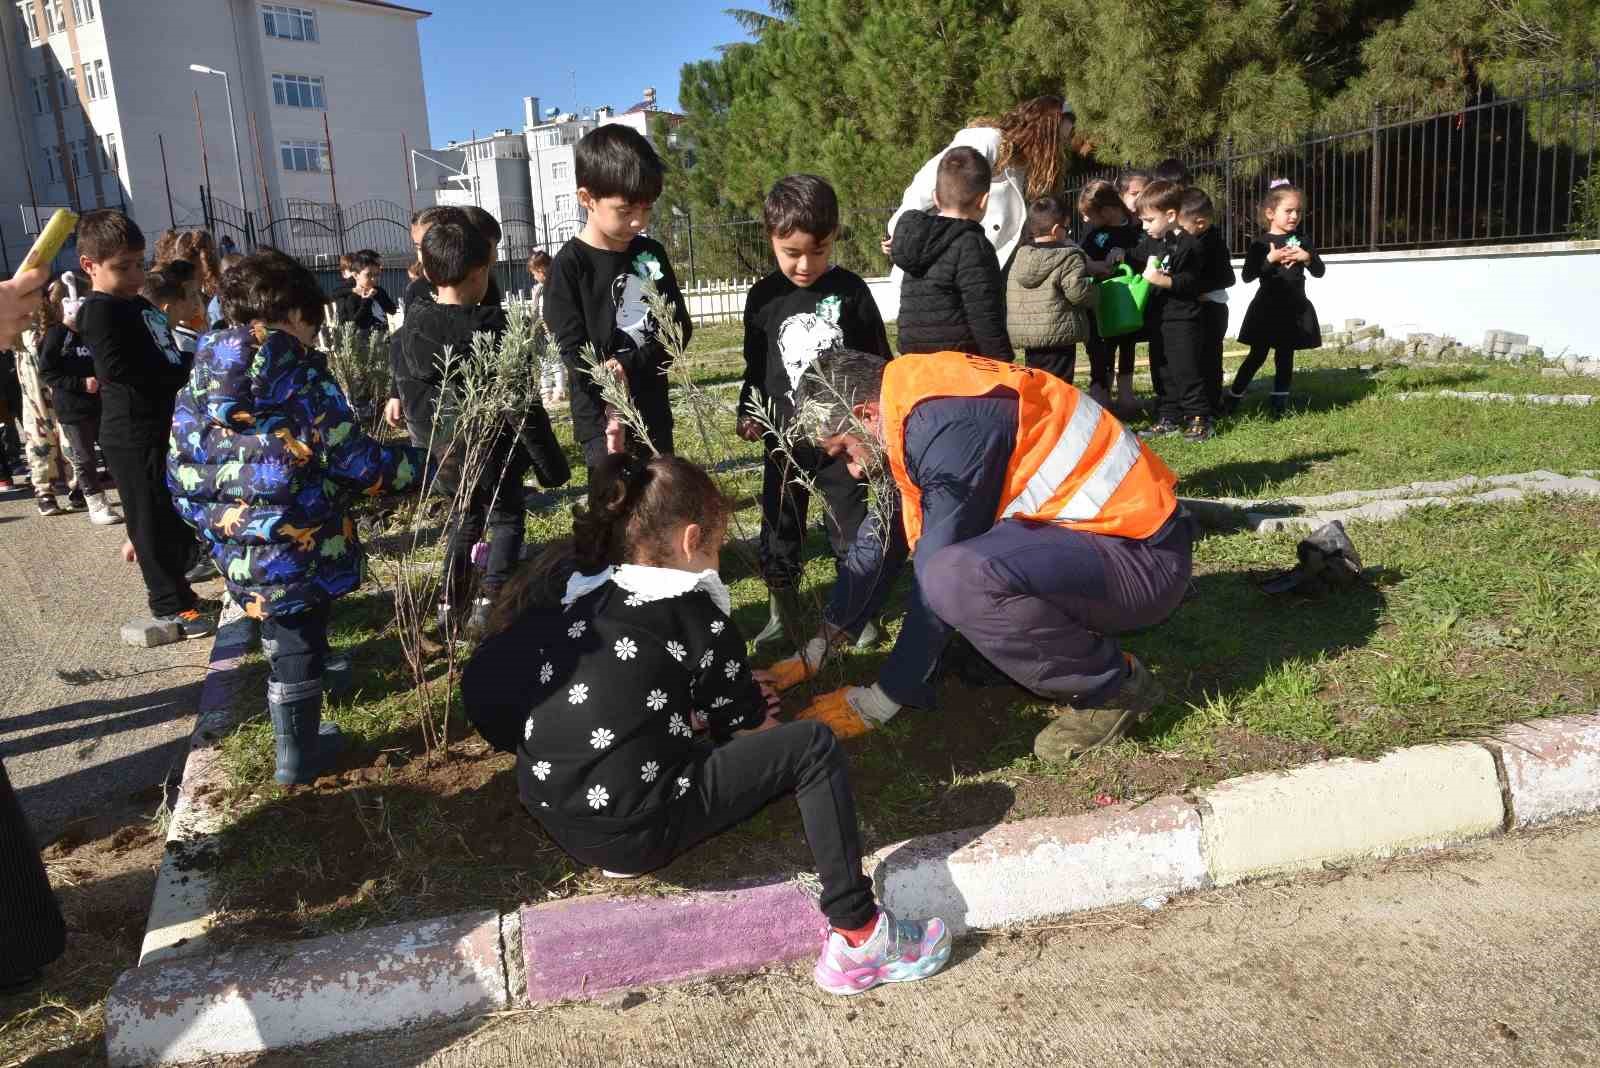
[481, 57]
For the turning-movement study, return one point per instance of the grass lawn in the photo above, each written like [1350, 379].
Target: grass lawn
[1473, 617]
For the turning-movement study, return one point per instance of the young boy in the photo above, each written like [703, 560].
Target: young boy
[174, 291]
[1216, 276]
[595, 294]
[366, 304]
[552, 375]
[265, 458]
[1175, 269]
[456, 259]
[347, 273]
[139, 370]
[792, 316]
[1049, 293]
[953, 298]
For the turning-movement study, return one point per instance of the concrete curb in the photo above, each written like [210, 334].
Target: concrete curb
[1551, 767]
[1572, 400]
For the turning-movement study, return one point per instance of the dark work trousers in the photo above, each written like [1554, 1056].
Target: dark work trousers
[1183, 385]
[164, 542]
[1215, 318]
[1061, 361]
[1282, 369]
[496, 504]
[1151, 335]
[33, 933]
[296, 645]
[784, 501]
[1042, 601]
[1108, 356]
[733, 782]
[81, 439]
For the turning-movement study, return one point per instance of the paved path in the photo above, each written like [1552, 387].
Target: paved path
[1485, 956]
[85, 721]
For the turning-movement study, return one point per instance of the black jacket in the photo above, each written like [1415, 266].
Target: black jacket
[370, 312]
[139, 367]
[1216, 262]
[953, 298]
[65, 361]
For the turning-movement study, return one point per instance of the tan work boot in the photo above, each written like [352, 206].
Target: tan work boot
[1077, 731]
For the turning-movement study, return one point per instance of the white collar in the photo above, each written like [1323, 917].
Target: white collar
[652, 584]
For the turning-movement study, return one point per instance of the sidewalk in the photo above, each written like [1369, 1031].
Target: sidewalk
[86, 721]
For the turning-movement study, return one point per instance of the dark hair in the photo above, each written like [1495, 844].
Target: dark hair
[964, 176]
[270, 286]
[439, 213]
[451, 251]
[483, 222]
[1171, 169]
[1160, 195]
[835, 383]
[1280, 188]
[347, 261]
[106, 232]
[168, 282]
[539, 261]
[617, 161]
[1100, 194]
[802, 203]
[1196, 204]
[1126, 179]
[1044, 215]
[361, 260]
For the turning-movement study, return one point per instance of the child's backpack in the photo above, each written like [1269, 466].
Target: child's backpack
[1119, 308]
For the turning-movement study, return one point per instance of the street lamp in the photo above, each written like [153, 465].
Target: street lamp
[232, 131]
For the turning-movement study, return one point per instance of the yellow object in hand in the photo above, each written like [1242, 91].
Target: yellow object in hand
[50, 240]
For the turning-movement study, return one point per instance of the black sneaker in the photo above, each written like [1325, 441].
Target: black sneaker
[1230, 403]
[75, 500]
[1198, 429]
[202, 570]
[47, 505]
[191, 623]
[1162, 428]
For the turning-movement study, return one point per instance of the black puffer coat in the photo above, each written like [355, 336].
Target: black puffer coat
[953, 298]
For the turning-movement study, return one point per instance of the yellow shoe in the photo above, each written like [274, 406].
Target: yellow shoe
[834, 710]
[785, 674]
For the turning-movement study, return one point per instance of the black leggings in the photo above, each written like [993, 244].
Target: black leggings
[1106, 354]
[1282, 369]
[81, 440]
[1061, 362]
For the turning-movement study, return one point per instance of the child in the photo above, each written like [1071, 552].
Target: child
[595, 294]
[1195, 214]
[173, 289]
[1130, 183]
[1175, 270]
[456, 259]
[347, 272]
[1049, 294]
[214, 314]
[40, 428]
[1113, 235]
[139, 370]
[1280, 317]
[265, 456]
[66, 364]
[953, 298]
[791, 316]
[420, 288]
[366, 304]
[552, 375]
[639, 642]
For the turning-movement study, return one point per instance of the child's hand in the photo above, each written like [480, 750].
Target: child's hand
[394, 414]
[1115, 256]
[91, 385]
[749, 429]
[1300, 255]
[128, 555]
[887, 244]
[616, 370]
[1152, 271]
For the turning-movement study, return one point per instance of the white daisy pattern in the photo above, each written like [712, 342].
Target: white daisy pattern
[601, 738]
[577, 629]
[706, 661]
[633, 600]
[578, 694]
[599, 797]
[716, 627]
[722, 702]
[649, 770]
[731, 669]
[656, 700]
[677, 651]
[625, 648]
[541, 770]
[683, 785]
[678, 725]
[547, 672]
[527, 729]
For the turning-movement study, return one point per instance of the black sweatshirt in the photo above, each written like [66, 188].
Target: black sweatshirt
[786, 327]
[1183, 259]
[139, 367]
[598, 698]
[1276, 278]
[65, 361]
[1098, 243]
[596, 297]
[370, 312]
[1216, 263]
[422, 291]
[953, 298]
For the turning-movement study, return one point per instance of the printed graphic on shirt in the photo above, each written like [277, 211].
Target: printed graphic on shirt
[633, 317]
[806, 335]
[1101, 239]
[161, 334]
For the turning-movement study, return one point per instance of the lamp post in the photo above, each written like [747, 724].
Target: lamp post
[232, 131]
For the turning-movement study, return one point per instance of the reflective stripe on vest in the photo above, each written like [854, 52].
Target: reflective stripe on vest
[1062, 460]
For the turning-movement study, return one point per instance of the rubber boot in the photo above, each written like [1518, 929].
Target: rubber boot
[306, 747]
[782, 631]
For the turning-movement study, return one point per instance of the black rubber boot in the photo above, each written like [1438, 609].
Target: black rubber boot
[306, 747]
[782, 631]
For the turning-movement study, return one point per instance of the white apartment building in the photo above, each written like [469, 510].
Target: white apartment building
[489, 172]
[323, 92]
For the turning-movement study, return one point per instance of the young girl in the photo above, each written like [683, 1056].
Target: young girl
[1280, 317]
[66, 366]
[552, 373]
[39, 428]
[599, 690]
[1113, 234]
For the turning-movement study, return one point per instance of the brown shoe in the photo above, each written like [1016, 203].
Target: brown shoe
[1078, 731]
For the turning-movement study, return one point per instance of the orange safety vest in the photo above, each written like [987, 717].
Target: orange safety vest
[1074, 463]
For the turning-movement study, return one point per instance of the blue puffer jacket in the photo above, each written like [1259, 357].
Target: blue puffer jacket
[263, 460]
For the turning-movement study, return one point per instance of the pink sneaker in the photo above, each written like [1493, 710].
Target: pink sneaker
[899, 951]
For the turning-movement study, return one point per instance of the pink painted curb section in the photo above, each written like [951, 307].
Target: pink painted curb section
[265, 997]
[591, 945]
[1552, 768]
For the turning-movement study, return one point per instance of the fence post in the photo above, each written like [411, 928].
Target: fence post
[688, 217]
[1375, 193]
[1227, 192]
[205, 208]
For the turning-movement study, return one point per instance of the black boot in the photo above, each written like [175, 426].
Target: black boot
[1280, 405]
[782, 631]
[306, 746]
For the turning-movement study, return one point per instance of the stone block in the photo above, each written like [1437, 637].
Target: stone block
[1352, 325]
[148, 633]
[1365, 332]
[1552, 768]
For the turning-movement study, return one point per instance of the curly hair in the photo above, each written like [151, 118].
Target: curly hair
[198, 248]
[1030, 135]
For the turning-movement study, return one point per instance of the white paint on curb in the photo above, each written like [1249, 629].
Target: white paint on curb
[1552, 768]
[1572, 400]
[1017, 872]
[1343, 810]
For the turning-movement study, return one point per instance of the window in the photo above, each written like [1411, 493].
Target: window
[563, 202]
[50, 163]
[55, 19]
[30, 14]
[289, 23]
[80, 157]
[82, 11]
[560, 171]
[100, 80]
[307, 156]
[108, 154]
[297, 91]
[68, 97]
[41, 94]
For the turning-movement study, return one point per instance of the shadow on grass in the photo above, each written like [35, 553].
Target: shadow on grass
[1244, 478]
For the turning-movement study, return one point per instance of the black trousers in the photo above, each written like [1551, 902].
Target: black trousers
[1061, 362]
[1109, 356]
[654, 402]
[733, 782]
[784, 501]
[1183, 384]
[164, 542]
[33, 933]
[81, 440]
[1158, 359]
[296, 646]
[1282, 369]
[496, 504]
[1214, 317]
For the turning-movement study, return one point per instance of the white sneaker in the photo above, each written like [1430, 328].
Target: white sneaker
[100, 511]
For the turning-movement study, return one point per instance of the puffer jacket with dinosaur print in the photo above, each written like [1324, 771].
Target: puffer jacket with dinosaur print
[265, 456]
